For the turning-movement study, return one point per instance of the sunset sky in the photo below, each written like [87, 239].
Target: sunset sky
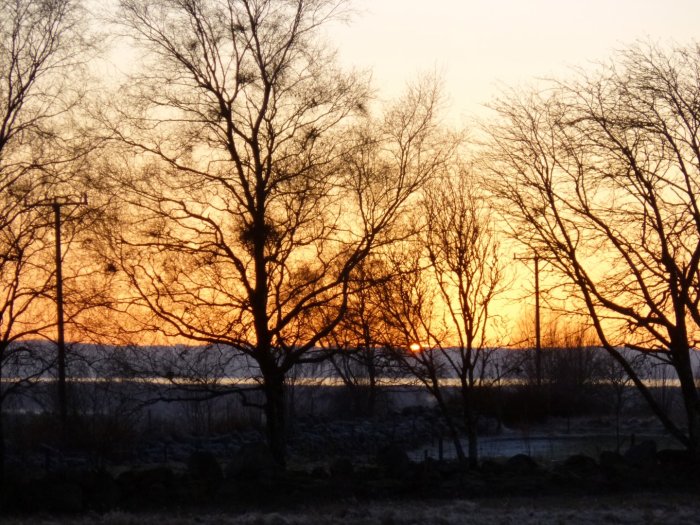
[479, 45]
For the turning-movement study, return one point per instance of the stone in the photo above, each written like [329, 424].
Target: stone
[319, 472]
[151, 486]
[53, 495]
[203, 466]
[394, 459]
[101, 491]
[521, 464]
[580, 462]
[252, 462]
[642, 455]
[674, 457]
[611, 460]
[342, 468]
[144, 478]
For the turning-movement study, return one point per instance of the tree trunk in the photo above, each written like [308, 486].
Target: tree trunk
[454, 433]
[470, 423]
[2, 427]
[473, 444]
[2, 447]
[691, 402]
[472, 438]
[645, 392]
[275, 421]
[693, 414]
[372, 394]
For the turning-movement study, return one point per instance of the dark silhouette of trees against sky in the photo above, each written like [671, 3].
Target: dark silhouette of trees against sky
[436, 303]
[460, 240]
[410, 328]
[263, 182]
[601, 175]
[42, 46]
[356, 352]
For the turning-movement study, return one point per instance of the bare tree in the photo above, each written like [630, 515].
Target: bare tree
[601, 174]
[411, 329]
[436, 305]
[41, 46]
[254, 199]
[461, 243]
[355, 349]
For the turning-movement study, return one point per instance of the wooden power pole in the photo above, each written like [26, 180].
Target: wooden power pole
[538, 329]
[62, 395]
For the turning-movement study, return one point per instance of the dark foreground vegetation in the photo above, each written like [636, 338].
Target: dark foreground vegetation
[169, 461]
[250, 481]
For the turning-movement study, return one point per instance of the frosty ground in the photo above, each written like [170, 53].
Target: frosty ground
[651, 508]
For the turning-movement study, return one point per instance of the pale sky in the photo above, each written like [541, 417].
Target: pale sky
[483, 46]
[479, 45]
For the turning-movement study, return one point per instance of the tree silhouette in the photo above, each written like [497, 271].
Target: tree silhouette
[41, 45]
[601, 174]
[262, 183]
[460, 240]
[436, 304]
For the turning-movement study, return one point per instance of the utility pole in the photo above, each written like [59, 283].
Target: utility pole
[538, 330]
[56, 205]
